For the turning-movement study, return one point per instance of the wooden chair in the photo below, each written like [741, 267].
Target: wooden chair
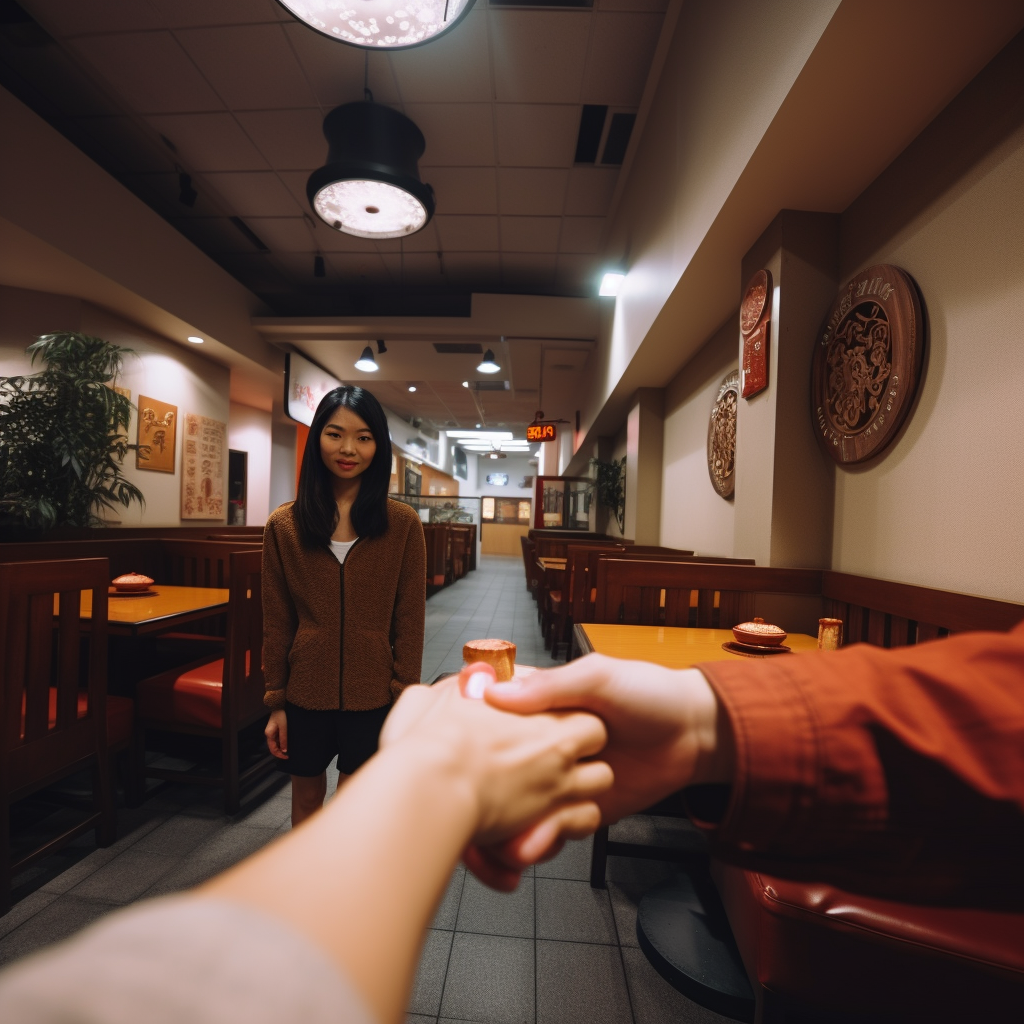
[216, 698]
[57, 716]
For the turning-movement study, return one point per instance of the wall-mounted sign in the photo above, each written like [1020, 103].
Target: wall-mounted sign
[867, 364]
[305, 385]
[498, 479]
[158, 422]
[755, 328]
[722, 436]
[202, 464]
[541, 432]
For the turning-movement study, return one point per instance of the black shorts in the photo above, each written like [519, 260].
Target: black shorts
[315, 737]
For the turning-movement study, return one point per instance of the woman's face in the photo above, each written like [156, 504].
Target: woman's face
[346, 444]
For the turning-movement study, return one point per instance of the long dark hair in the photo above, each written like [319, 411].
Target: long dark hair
[315, 508]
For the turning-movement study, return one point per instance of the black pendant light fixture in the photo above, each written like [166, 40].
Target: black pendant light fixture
[380, 24]
[370, 186]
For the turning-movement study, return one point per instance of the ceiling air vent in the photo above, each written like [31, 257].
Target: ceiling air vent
[619, 130]
[458, 348]
[589, 138]
[489, 385]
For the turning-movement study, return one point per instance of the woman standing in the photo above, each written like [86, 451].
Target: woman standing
[344, 592]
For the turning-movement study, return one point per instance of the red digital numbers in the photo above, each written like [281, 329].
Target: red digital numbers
[541, 432]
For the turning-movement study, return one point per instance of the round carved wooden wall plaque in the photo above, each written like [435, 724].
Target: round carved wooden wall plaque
[867, 364]
[755, 328]
[722, 436]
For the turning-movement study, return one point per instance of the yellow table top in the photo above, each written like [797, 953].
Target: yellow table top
[674, 646]
[161, 609]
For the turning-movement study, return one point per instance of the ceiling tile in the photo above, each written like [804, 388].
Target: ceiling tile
[254, 194]
[468, 234]
[64, 18]
[463, 189]
[480, 271]
[289, 139]
[252, 67]
[335, 71]
[531, 192]
[582, 234]
[193, 13]
[329, 240]
[536, 134]
[619, 60]
[454, 68]
[530, 234]
[209, 142]
[578, 275]
[457, 134]
[539, 55]
[414, 269]
[529, 273]
[352, 266]
[284, 234]
[590, 191]
[427, 240]
[150, 72]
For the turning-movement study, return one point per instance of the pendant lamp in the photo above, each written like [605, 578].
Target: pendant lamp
[380, 24]
[370, 186]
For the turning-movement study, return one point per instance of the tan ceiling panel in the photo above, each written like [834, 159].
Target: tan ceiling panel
[530, 234]
[254, 194]
[284, 234]
[468, 234]
[452, 69]
[70, 17]
[252, 67]
[590, 191]
[619, 61]
[427, 240]
[335, 71]
[457, 134]
[150, 72]
[196, 13]
[536, 135]
[531, 191]
[210, 142]
[289, 139]
[463, 189]
[539, 55]
[582, 234]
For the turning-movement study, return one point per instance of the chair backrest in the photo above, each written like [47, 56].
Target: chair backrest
[630, 591]
[580, 565]
[242, 698]
[435, 536]
[199, 563]
[45, 670]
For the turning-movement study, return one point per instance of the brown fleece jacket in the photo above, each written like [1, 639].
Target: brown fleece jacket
[308, 656]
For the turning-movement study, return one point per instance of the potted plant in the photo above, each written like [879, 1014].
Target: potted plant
[63, 436]
[611, 487]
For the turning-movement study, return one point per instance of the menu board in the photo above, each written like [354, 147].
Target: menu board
[202, 460]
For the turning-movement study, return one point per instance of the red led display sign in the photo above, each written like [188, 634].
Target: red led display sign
[541, 432]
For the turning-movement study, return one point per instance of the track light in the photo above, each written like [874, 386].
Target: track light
[381, 347]
[186, 193]
[318, 267]
[488, 365]
[366, 362]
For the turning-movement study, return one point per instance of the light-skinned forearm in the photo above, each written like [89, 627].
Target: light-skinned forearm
[363, 878]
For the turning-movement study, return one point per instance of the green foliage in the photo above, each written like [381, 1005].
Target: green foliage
[611, 487]
[63, 436]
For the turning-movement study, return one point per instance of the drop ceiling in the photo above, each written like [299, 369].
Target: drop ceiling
[232, 93]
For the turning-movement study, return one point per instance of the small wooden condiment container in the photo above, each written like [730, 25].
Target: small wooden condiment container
[499, 654]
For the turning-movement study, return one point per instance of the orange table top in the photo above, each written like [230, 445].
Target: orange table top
[671, 646]
[165, 607]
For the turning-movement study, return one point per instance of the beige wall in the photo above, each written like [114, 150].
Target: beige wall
[693, 516]
[944, 506]
[249, 431]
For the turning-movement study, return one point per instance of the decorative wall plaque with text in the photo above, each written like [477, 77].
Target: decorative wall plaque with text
[722, 436]
[158, 422]
[202, 464]
[867, 364]
[755, 330]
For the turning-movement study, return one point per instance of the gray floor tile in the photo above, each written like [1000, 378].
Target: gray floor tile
[92, 862]
[24, 909]
[655, 1001]
[179, 836]
[189, 873]
[230, 845]
[448, 911]
[490, 980]
[572, 911]
[572, 862]
[628, 879]
[125, 878]
[430, 975]
[497, 913]
[419, 1018]
[63, 917]
[579, 983]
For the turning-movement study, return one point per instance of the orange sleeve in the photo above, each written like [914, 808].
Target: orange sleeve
[899, 769]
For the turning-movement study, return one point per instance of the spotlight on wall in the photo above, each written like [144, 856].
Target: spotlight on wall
[611, 282]
[366, 362]
[186, 193]
[195, 339]
[465, 383]
[488, 365]
[318, 267]
[381, 347]
[370, 186]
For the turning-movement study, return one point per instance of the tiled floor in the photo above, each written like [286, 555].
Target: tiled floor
[553, 952]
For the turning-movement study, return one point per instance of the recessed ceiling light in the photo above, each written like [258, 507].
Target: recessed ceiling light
[412, 387]
[366, 362]
[488, 365]
[479, 425]
[380, 24]
[195, 339]
[465, 383]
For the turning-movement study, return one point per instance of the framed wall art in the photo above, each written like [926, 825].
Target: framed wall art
[867, 364]
[158, 424]
[203, 452]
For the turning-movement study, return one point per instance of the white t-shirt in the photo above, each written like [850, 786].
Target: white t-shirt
[340, 548]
